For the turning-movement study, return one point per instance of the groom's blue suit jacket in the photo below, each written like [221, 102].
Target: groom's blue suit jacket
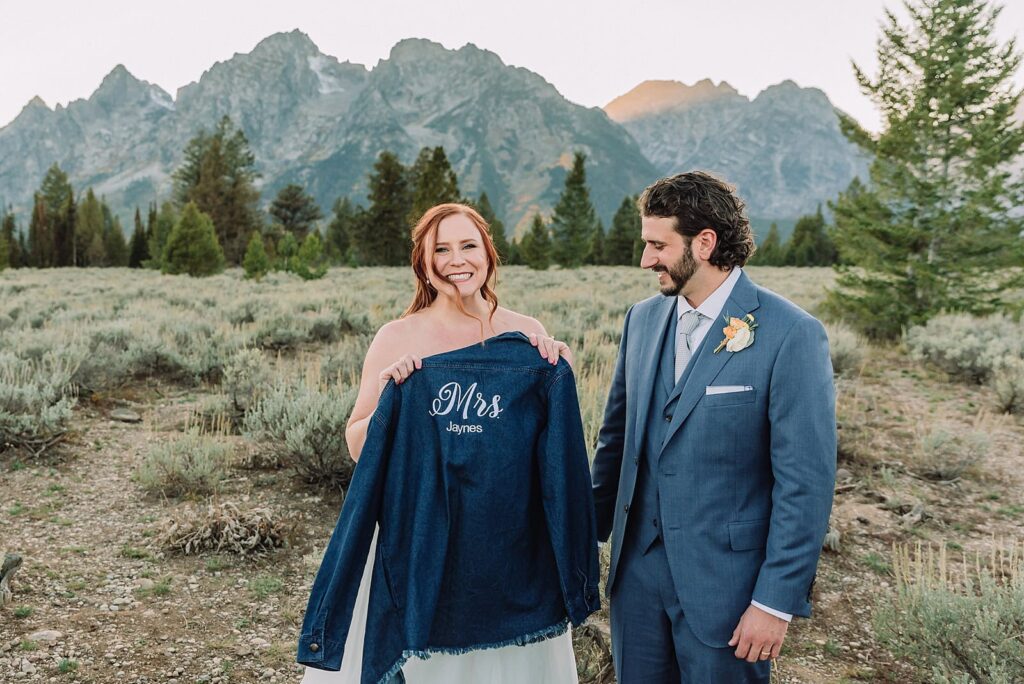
[745, 478]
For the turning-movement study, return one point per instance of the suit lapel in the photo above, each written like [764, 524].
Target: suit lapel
[703, 369]
[655, 326]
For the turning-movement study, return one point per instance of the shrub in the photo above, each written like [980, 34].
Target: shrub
[305, 426]
[35, 401]
[967, 347]
[847, 348]
[961, 624]
[245, 375]
[945, 456]
[1008, 383]
[194, 463]
[225, 528]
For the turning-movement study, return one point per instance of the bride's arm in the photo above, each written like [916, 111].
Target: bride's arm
[378, 367]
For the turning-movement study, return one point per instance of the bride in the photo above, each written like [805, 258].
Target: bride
[455, 262]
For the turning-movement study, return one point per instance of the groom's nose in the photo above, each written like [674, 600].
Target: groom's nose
[647, 259]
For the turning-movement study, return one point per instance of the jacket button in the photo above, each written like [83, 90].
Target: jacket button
[636, 459]
[655, 521]
[668, 419]
[314, 647]
[625, 508]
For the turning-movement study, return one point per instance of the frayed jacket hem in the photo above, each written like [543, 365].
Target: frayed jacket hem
[550, 632]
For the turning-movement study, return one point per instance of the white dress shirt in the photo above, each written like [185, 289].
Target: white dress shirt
[711, 312]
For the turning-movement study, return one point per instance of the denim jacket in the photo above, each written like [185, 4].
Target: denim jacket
[476, 471]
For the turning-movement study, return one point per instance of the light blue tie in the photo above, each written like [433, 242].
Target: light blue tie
[688, 322]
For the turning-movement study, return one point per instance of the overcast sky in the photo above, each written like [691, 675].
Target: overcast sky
[592, 51]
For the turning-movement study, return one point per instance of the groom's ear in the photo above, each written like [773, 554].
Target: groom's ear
[703, 244]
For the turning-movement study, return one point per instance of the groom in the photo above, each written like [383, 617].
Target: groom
[715, 463]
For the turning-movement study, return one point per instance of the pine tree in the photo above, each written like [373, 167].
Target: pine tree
[383, 237]
[341, 230]
[596, 251]
[40, 237]
[294, 212]
[483, 205]
[935, 229]
[218, 174]
[536, 245]
[770, 252]
[574, 218]
[192, 246]
[515, 258]
[139, 246]
[163, 224]
[5, 252]
[58, 198]
[810, 244]
[89, 227]
[256, 262]
[13, 239]
[286, 250]
[433, 182]
[624, 234]
[114, 243]
[309, 264]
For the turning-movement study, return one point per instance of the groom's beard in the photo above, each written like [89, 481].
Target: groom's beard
[679, 273]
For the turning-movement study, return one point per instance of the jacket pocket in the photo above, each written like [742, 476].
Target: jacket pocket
[730, 398]
[748, 535]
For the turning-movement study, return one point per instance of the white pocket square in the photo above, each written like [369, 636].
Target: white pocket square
[726, 389]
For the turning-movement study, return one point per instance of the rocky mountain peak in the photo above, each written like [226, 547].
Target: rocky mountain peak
[654, 97]
[119, 86]
[416, 49]
[293, 42]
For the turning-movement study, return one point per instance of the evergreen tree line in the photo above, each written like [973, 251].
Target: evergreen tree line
[217, 180]
[811, 244]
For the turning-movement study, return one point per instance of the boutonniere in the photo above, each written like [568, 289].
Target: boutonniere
[739, 334]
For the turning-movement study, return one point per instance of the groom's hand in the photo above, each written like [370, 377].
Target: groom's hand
[758, 636]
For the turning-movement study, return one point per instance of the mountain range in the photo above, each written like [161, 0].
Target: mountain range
[319, 122]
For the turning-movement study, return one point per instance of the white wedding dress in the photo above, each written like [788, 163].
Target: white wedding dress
[545, 662]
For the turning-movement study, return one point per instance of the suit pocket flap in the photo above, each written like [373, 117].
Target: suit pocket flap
[744, 536]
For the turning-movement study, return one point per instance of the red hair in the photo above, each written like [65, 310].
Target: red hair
[425, 229]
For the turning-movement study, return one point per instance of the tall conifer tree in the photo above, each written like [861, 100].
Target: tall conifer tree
[770, 252]
[384, 231]
[340, 231]
[433, 182]
[483, 205]
[535, 248]
[218, 174]
[89, 246]
[574, 219]
[624, 234]
[294, 211]
[139, 246]
[13, 238]
[935, 229]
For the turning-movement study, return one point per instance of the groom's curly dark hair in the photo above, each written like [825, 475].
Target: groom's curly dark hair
[698, 200]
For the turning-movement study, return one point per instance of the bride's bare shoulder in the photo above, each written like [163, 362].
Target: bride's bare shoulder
[393, 338]
[512, 320]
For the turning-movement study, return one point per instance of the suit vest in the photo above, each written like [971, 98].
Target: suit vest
[645, 515]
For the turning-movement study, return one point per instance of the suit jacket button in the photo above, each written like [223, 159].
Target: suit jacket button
[625, 508]
[668, 419]
[636, 459]
[314, 647]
